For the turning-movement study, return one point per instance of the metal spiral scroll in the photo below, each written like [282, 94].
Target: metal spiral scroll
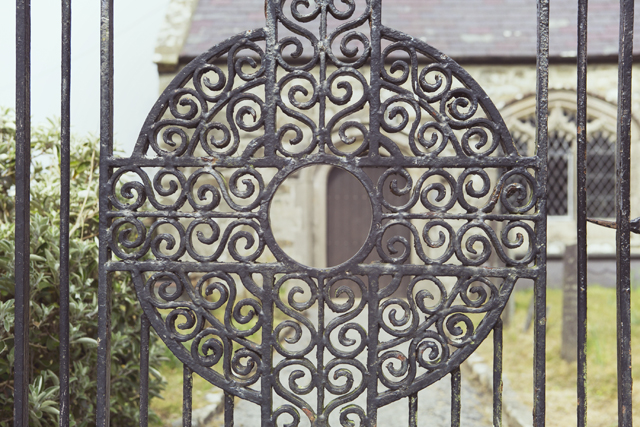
[190, 214]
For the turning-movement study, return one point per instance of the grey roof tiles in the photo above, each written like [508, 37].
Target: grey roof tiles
[463, 29]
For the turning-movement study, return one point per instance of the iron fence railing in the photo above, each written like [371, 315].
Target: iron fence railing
[269, 415]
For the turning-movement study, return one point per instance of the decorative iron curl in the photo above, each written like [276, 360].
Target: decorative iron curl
[432, 92]
[287, 128]
[492, 241]
[163, 282]
[398, 375]
[240, 61]
[295, 390]
[355, 105]
[287, 410]
[294, 312]
[228, 240]
[345, 412]
[470, 189]
[202, 82]
[527, 199]
[348, 311]
[405, 251]
[398, 65]
[458, 328]
[420, 298]
[484, 300]
[142, 190]
[429, 350]
[125, 248]
[193, 321]
[349, 390]
[207, 348]
[398, 326]
[342, 14]
[300, 31]
[209, 108]
[222, 284]
[350, 34]
[244, 367]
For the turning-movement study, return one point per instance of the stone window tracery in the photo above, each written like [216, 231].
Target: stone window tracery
[601, 139]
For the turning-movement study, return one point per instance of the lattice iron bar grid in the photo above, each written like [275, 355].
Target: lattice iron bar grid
[23, 29]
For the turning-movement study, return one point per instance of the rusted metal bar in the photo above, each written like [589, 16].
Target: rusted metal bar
[634, 224]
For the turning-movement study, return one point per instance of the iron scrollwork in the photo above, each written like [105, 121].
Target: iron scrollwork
[190, 214]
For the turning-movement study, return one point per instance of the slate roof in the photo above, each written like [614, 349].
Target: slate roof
[473, 30]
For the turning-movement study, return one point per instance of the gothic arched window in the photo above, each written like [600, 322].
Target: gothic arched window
[601, 140]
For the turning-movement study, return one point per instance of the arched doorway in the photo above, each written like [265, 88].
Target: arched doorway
[349, 216]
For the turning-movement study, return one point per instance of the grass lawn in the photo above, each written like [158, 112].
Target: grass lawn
[561, 375]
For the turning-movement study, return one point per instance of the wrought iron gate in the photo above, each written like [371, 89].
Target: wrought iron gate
[192, 223]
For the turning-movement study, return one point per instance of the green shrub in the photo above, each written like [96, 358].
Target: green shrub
[44, 277]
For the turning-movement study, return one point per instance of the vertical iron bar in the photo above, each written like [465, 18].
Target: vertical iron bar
[22, 238]
[581, 240]
[372, 351]
[106, 151]
[413, 410]
[268, 343]
[228, 409]
[320, 345]
[144, 370]
[542, 112]
[374, 126]
[623, 177]
[497, 374]
[271, 88]
[324, 136]
[187, 398]
[65, 176]
[376, 65]
[456, 382]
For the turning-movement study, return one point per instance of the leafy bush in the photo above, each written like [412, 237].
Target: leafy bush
[44, 277]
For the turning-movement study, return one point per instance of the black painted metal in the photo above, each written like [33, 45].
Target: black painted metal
[106, 152]
[196, 237]
[623, 188]
[65, 176]
[144, 370]
[540, 289]
[234, 125]
[581, 191]
[187, 396]
[456, 397]
[228, 409]
[22, 237]
[497, 374]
